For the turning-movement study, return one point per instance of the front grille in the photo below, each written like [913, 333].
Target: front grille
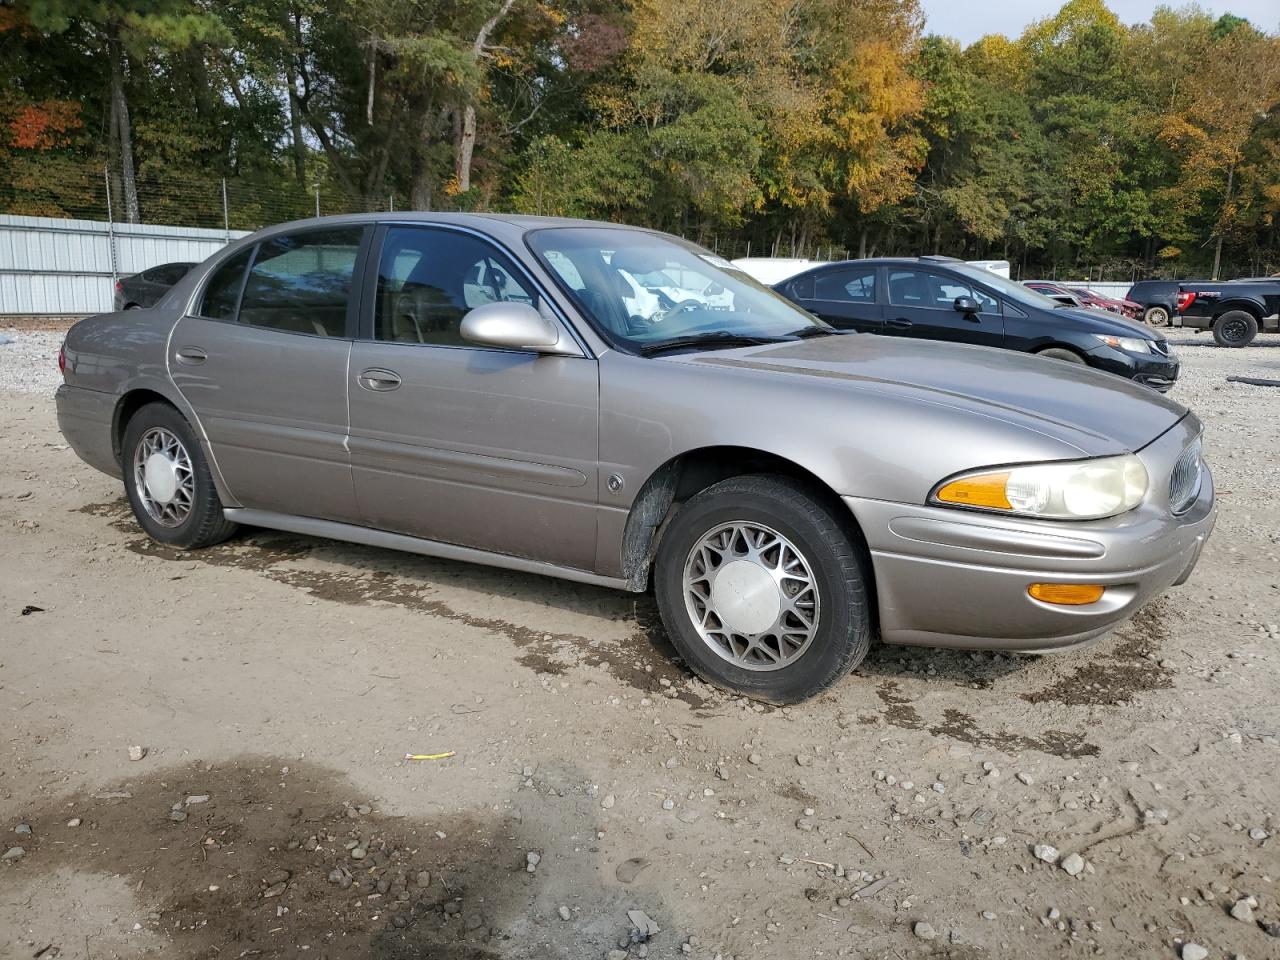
[1184, 482]
[1161, 346]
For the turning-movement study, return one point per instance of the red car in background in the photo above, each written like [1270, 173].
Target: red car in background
[1084, 297]
[1124, 307]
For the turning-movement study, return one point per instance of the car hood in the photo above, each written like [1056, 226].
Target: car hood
[1107, 323]
[1097, 413]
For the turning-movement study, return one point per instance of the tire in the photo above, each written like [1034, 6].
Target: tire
[838, 633]
[1156, 316]
[192, 516]
[1235, 328]
[1061, 353]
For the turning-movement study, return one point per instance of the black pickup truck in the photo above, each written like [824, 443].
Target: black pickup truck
[1235, 310]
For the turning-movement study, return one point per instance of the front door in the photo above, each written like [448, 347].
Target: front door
[922, 303]
[264, 365]
[476, 446]
[843, 297]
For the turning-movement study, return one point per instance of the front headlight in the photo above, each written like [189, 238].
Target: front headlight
[1131, 344]
[1076, 490]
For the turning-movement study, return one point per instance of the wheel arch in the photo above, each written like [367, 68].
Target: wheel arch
[137, 396]
[692, 471]
[1248, 306]
[130, 403]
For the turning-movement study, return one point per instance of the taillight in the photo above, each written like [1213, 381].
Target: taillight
[62, 359]
[1184, 300]
[119, 285]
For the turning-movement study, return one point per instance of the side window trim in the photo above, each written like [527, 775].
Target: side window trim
[369, 283]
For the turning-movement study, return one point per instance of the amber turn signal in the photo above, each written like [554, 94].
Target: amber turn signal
[984, 490]
[1067, 594]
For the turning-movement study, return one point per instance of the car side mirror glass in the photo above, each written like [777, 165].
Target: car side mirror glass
[511, 325]
[966, 305]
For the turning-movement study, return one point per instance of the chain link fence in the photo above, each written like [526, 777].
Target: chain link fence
[78, 191]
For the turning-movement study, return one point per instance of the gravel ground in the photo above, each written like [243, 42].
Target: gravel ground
[29, 365]
[272, 686]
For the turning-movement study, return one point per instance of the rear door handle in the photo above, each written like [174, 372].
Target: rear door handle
[191, 355]
[898, 323]
[377, 379]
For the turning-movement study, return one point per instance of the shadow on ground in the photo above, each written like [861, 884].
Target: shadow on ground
[261, 867]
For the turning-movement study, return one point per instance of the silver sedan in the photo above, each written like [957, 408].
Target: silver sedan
[622, 408]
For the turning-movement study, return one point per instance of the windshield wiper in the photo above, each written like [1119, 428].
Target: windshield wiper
[719, 338]
[804, 333]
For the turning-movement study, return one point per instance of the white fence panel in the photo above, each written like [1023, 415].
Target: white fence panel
[64, 267]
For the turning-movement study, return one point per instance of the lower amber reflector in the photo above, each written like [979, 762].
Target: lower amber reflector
[1067, 594]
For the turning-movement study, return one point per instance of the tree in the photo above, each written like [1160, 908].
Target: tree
[120, 30]
[1221, 105]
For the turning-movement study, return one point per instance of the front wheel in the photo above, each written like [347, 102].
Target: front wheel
[1236, 328]
[168, 481]
[762, 590]
[1156, 316]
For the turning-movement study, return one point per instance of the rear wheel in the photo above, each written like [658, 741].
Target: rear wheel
[1235, 328]
[1061, 353]
[762, 590]
[1156, 316]
[168, 481]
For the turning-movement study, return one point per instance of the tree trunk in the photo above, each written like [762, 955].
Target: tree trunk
[295, 124]
[122, 131]
[373, 79]
[1226, 201]
[465, 131]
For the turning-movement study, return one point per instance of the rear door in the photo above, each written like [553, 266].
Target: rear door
[476, 446]
[844, 297]
[263, 363]
[922, 303]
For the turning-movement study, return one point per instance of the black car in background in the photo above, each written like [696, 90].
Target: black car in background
[1234, 310]
[939, 298]
[1159, 300]
[145, 288]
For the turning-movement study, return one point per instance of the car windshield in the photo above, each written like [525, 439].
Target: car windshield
[1009, 288]
[642, 290]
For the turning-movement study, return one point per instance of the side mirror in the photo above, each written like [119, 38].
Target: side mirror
[714, 290]
[967, 305]
[512, 325]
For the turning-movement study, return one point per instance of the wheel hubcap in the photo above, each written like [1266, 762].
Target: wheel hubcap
[1234, 330]
[163, 477]
[751, 596]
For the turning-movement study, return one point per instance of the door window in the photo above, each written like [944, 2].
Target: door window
[428, 280]
[847, 286]
[222, 293]
[917, 288]
[945, 290]
[907, 288]
[302, 283]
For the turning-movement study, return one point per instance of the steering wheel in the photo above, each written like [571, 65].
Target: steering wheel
[684, 306]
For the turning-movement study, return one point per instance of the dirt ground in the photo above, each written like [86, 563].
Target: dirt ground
[276, 683]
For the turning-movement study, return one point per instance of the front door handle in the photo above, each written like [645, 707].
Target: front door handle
[898, 323]
[378, 379]
[191, 355]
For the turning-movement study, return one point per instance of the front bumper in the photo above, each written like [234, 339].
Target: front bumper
[949, 578]
[1153, 370]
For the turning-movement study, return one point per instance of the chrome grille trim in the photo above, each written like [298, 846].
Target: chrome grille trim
[1185, 480]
